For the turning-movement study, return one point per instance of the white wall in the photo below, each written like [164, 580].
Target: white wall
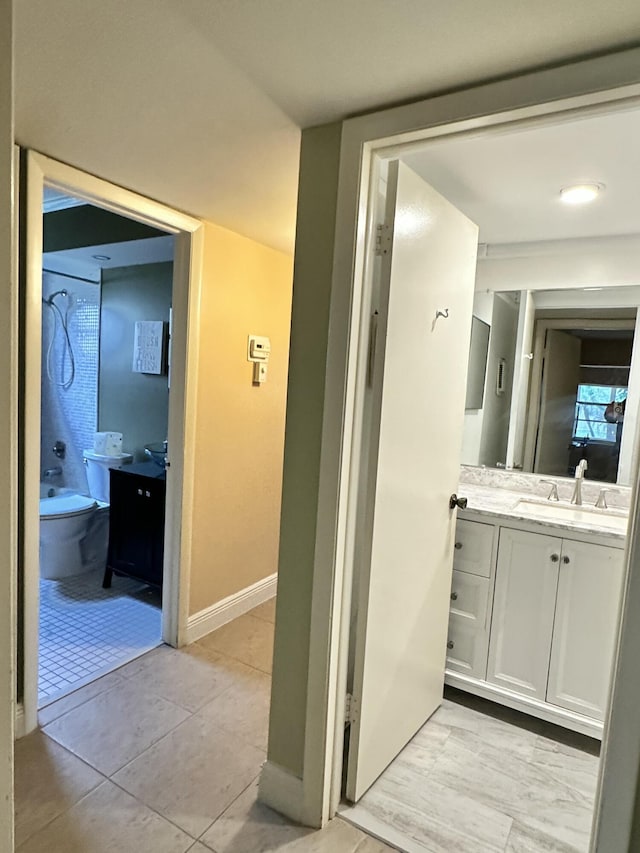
[521, 374]
[7, 431]
[502, 345]
[561, 264]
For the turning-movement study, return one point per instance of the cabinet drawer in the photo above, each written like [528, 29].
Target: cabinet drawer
[469, 599]
[466, 650]
[473, 548]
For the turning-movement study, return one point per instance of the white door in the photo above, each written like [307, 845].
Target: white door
[523, 609]
[560, 377]
[418, 392]
[586, 627]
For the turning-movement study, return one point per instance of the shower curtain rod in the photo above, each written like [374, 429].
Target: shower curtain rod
[68, 275]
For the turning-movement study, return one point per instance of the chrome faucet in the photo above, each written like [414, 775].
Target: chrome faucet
[581, 467]
[52, 472]
[553, 492]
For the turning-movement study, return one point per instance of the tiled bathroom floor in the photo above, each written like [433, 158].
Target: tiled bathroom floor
[471, 781]
[86, 631]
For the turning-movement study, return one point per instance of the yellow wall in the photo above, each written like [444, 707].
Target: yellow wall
[240, 427]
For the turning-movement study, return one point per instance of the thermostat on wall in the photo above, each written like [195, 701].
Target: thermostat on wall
[258, 351]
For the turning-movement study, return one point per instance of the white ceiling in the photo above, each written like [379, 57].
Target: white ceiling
[198, 103]
[509, 183]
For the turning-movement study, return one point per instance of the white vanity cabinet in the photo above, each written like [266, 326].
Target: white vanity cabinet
[533, 621]
[471, 586]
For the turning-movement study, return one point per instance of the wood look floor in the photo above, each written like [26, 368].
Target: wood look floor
[163, 756]
[479, 778]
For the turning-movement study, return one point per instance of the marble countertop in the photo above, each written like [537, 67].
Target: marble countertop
[502, 503]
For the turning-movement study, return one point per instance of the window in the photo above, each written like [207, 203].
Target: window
[589, 419]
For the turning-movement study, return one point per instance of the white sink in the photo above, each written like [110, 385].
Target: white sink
[611, 519]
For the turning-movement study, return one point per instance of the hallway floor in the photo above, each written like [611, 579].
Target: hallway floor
[163, 756]
[87, 631]
[480, 778]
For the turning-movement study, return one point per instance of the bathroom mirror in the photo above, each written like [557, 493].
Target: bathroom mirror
[478, 352]
[558, 373]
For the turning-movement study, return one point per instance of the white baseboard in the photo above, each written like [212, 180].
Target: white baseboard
[527, 704]
[19, 725]
[230, 608]
[282, 791]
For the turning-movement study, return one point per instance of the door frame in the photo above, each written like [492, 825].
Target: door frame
[43, 171]
[541, 326]
[593, 85]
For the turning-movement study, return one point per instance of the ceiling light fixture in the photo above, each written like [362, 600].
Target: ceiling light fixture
[101, 257]
[580, 193]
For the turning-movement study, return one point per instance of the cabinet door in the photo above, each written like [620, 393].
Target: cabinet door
[473, 546]
[136, 526]
[155, 495]
[467, 636]
[469, 600]
[128, 524]
[466, 650]
[585, 630]
[523, 609]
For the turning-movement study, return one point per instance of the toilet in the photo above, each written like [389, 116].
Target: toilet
[74, 529]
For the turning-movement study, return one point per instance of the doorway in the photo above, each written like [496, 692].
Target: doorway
[581, 376]
[359, 596]
[106, 440]
[104, 419]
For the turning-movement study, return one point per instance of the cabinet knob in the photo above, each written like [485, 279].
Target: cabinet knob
[566, 560]
[140, 492]
[458, 546]
[555, 558]
[454, 596]
[450, 644]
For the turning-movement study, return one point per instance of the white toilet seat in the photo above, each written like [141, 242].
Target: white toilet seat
[74, 529]
[65, 506]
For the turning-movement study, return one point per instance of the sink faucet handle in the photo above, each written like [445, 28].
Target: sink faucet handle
[601, 503]
[553, 492]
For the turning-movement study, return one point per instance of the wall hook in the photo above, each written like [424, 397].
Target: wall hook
[439, 313]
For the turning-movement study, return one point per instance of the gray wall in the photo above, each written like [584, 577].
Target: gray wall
[135, 404]
[87, 225]
[305, 403]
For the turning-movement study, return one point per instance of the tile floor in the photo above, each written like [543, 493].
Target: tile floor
[86, 631]
[476, 780]
[163, 756]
